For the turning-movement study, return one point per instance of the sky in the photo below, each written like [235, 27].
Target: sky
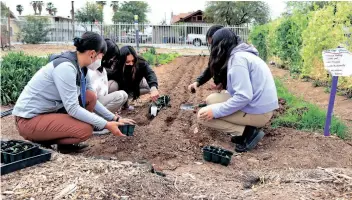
[159, 10]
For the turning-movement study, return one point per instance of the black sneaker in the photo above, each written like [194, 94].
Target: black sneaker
[71, 148]
[254, 139]
[237, 139]
[251, 137]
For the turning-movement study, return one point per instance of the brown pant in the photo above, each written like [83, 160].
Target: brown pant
[56, 127]
[236, 122]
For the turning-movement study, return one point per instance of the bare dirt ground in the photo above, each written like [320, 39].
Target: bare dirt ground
[288, 164]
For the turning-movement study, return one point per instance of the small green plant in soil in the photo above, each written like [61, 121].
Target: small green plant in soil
[303, 115]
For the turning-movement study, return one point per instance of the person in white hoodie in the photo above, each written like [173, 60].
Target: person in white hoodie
[112, 100]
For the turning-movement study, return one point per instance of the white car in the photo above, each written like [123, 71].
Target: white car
[196, 39]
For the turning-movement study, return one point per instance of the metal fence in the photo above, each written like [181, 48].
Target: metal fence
[192, 35]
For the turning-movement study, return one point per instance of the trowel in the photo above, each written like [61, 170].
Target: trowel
[190, 106]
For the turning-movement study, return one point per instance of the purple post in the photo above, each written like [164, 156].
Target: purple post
[331, 105]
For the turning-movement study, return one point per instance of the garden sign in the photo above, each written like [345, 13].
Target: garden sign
[339, 63]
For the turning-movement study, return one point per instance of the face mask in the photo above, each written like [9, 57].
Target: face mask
[95, 65]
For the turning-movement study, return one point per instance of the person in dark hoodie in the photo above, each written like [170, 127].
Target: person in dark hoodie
[251, 94]
[56, 105]
[129, 72]
[206, 75]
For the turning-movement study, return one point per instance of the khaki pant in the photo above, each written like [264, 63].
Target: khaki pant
[57, 127]
[115, 99]
[236, 122]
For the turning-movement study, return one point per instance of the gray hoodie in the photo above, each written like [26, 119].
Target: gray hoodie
[57, 85]
[250, 84]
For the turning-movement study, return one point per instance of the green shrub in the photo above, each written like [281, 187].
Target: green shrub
[16, 70]
[304, 115]
[258, 37]
[289, 40]
[35, 30]
[152, 50]
[149, 57]
[162, 59]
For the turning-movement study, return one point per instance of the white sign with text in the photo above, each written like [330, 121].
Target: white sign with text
[338, 61]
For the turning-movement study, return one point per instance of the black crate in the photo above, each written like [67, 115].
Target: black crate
[24, 150]
[217, 155]
[40, 157]
[127, 129]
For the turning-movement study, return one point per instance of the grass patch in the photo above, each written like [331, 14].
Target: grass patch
[303, 115]
[158, 59]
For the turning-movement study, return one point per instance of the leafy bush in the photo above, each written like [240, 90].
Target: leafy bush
[326, 30]
[258, 37]
[289, 40]
[35, 30]
[304, 115]
[162, 59]
[16, 70]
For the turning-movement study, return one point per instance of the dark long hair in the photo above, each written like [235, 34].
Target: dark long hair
[90, 41]
[137, 60]
[223, 42]
[111, 56]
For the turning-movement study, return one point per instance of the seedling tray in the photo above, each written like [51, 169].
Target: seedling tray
[14, 150]
[40, 157]
[127, 129]
[217, 155]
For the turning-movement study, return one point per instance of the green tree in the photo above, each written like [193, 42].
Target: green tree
[19, 9]
[114, 5]
[101, 3]
[305, 6]
[35, 30]
[89, 13]
[35, 6]
[50, 8]
[237, 12]
[130, 8]
[40, 5]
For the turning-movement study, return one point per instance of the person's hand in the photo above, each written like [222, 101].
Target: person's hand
[113, 127]
[116, 116]
[218, 87]
[154, 95]
[205, 114]
[193, 87]
[127, 121]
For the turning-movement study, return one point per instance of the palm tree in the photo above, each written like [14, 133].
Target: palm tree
[101, 3]
[54, 11]
[19, 9]
[40, 6]
[49, 7]
[114, 5]
[34, 4]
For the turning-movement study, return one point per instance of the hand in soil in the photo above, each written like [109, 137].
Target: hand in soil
[127, 121]
[154, 95]
[113, 127]
[193, 87]
[206, 114]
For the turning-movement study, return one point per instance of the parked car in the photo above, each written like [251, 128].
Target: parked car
[196, 39]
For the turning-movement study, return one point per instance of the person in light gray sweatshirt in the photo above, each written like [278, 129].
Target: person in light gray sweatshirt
[57, 104]
[251, 95]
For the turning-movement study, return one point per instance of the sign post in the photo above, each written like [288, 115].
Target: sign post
[339, 63]
[137, 32]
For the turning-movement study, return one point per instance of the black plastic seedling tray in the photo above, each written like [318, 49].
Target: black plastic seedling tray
[14, 150]
[127, 129]
[217, 155]
[16, 155]
[41, 157]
